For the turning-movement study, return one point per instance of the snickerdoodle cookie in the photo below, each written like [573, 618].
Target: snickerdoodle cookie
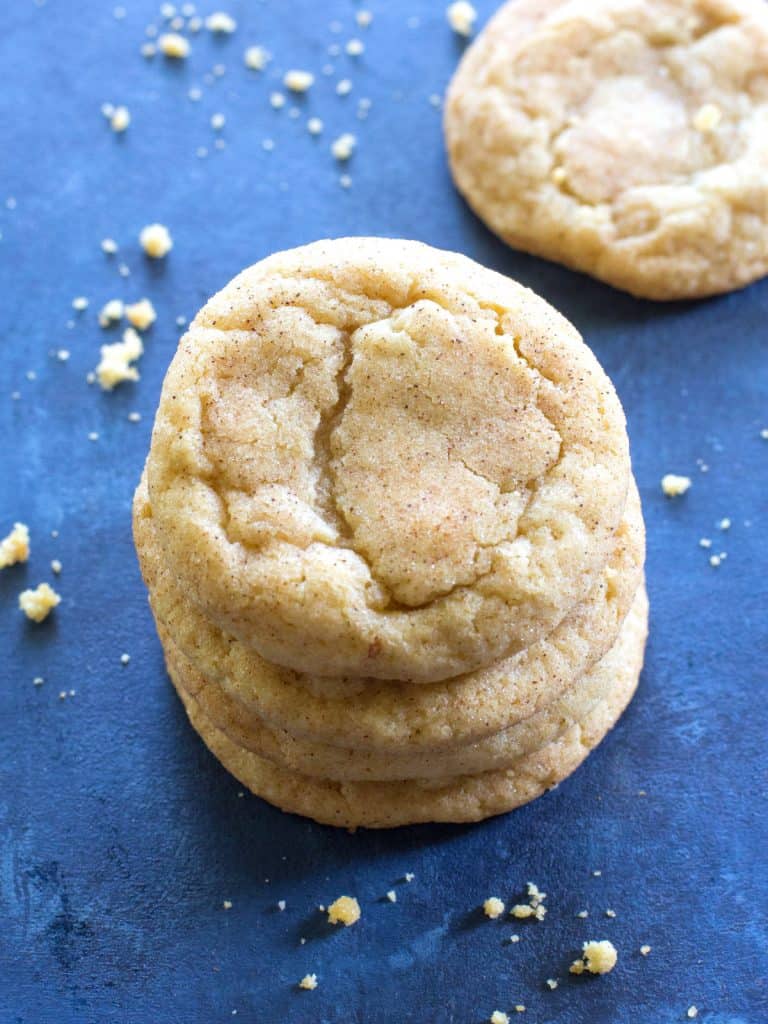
[377, 459]
[464, 798]
[398, 719]
[624, 138]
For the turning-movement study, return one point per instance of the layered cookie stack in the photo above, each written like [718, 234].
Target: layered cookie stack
[391, 537]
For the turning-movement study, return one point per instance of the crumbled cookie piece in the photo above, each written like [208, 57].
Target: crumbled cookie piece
[514, 938]
[499, 1017]
[111, 312]
[314, 126]
[645, 950]
[308, 982]
[38, 603]
[227, 904]
[345, 910]
[552, 984]
[281, 905]
[724, 524]
[218, 121]
[108, 246]
[692, 1012]
[355, 48]
[363, 18]
[80, 303]
[276, 100]
[343, 87]
[610, 913]
[174, 46]
[597, 958]
[56, 567]
[120, 119]
[156, 241]
[221, 22]
[409, 876]
[461, 17]
[298, 81]
[141, 314]
[583, 913]
[493, 907]
[15, 547]
[256, 58]
[125, 659]
[673, 485]
[519, 1008]
[115, 365]
[522, 911]
[344, 146]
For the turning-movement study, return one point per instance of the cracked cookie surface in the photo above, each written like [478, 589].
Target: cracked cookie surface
[624, 138]
[379, 459]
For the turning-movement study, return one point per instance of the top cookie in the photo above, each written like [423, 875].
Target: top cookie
[625, 138]
[374, 458]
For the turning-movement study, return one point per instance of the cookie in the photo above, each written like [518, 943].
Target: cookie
[463, 799]
[341, 764]
[373, 458]
[624, 138]
[389, 717]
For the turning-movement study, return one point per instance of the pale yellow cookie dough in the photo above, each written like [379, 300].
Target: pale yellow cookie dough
[379, 459]
[624, 138]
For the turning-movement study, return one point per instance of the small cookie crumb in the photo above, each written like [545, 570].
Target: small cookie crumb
[221, 22]
[115, 365]
[141, 314]
[80, 303]
[583, 913]
[156, 241]
[493, 907]
[692, 1012]
[345, 910]
[363, 18]
[673, 485]
[218, 121]
[392, 896]
[120, 119]
[38, 681]
[610, 913]
[174, 46]
[276, 100]
[56, 567]
[298, 81]
[227, 904]
[343, 87]
[355, 47]
[519, 1008]
[645, 950]
[409, 876]
[15, 547]
[256, 58]
[344, 146]
[314, 126]
[461, 17]
[109, 246]
[308, 982]
[38, 603]
[724, 524]
[281, 905]
[111, 312]
[125, 659]
[597, 958]
[499, 1017]
[552, 984]
[514, 938]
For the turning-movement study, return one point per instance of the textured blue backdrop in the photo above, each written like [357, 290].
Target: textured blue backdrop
[119, 835]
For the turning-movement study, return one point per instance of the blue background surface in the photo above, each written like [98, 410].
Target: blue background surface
[120, 836]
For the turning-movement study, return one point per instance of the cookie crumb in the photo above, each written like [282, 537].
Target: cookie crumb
[596, 874]
[125, 659]
[355, 47]
[724, 524]
[38, 603]
[174, 46]
[276, 100]
[583, 913]
[610, 913]
[692, 1012]
[552, 984]
[111, 312]
[392, 896]
[298, 81]
[156, 241]
[15, 547]
[120, 119]
[715, 560]
[409, 876]
[705, 542]
[499, 1017]
[519, 1008]
[522, 911]
[314, 126]
[344, 910]
[56, 567]
[514, 938]
[115, 365]
[493, 907]
[221, 22]
[38, 681]
[109, 246]
[363, 18]
[645, 950]
[80, 303]
[344, 146]
[227, 904]
[281, 904]
[308, 982]
[597, 958]
[141, 314]
[461, 17]
[707, 118]
[673, 485]
[256, 58]
[343, 87]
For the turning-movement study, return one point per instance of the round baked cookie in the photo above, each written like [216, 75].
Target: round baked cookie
[324, 761]
[624, 138]
[388, 804]
[378, 459]
[392, 717]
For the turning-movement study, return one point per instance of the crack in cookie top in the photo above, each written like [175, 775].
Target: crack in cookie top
[373, 458]
[626, 138]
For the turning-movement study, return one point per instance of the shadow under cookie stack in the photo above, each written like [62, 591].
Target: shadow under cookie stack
[392, 542]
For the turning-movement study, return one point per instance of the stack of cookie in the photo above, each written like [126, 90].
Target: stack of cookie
[391, 537]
